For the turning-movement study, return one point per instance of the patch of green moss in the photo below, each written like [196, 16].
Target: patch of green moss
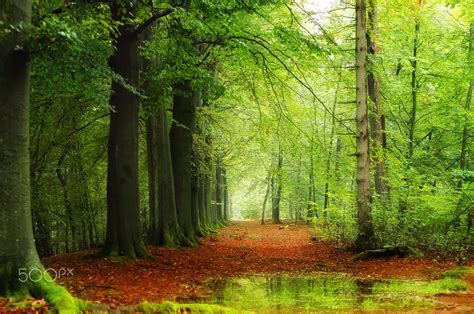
[415, 252]
[56, 295]
[420, 288]
[458, 272]
[412, 303]
[84, 306]
[170, 307]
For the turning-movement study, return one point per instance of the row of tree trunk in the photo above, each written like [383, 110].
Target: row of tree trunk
[184, 202]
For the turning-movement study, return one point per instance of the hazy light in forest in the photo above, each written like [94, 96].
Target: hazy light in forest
[319, 9]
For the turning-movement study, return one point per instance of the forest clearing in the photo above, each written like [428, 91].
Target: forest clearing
[223, 156]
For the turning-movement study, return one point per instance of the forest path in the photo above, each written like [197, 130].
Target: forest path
[242, 248]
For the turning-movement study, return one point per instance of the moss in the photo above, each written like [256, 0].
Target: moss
[85, 306]
[171, 239]
[56, 295]
[189, 241]
[40, 285]
[445, 285]
[170, 307]
[458, 272]
[140, 250]
[415, 252]
[411, 303]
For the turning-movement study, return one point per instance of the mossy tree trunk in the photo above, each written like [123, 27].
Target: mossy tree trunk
[195, 165]
[201, 205]
[218, 194]
[152, 159]
[123, 235]
[225, 201]
[195, 182]
[181, 140]
[21, 272]
[169, 232]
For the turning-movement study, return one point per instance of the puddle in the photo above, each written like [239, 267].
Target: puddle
[322, 292]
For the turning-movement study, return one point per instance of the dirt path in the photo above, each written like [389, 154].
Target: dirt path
[244, 247]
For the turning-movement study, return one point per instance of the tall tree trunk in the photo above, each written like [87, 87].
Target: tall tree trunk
[181, 139]
[277, 191]
[152, 160]
[267, 180]
[164, 229]
[123, 235]
[403, 204]
[219, 192]
[18, 255]
[311, 209]
[70, 219]
[463, 158]
[467, 108]
[195, 161]
[202, 204]
[330, 149]
[376, 118]
[225, 195]
[169, 230]
[337, 163]
[42, 228]
[414, 90]
[195, 193]
[365, 238]
[297, 191]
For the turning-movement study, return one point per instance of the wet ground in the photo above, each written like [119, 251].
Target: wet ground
[336, 292]
[270, 268]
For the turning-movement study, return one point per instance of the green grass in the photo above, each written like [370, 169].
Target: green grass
[458, 272]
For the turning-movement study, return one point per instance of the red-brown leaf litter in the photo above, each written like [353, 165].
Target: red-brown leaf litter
[242, 248]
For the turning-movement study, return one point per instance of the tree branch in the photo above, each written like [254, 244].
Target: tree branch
[151, 20]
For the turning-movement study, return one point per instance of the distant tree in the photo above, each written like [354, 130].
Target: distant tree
[277, 183]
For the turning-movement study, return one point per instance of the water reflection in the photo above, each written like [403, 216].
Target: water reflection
[306, 294]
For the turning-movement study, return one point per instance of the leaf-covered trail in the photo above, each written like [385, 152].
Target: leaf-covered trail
[242, 248]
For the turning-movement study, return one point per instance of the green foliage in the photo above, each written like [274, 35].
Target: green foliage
[270, 79]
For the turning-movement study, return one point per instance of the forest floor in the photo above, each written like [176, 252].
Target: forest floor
[243, 248]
